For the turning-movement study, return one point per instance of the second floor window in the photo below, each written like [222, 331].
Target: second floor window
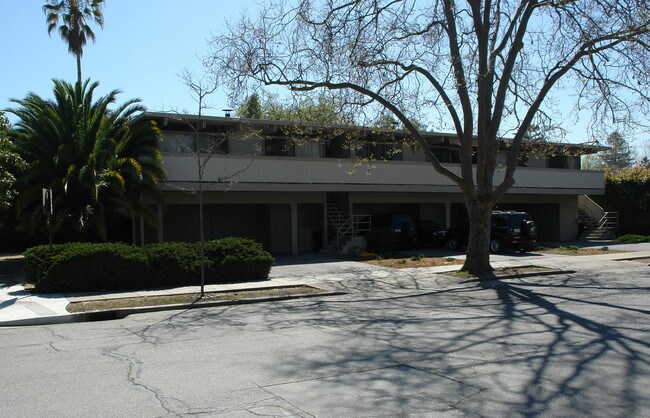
[279, 147]
[446, 155]
[184, 143]
[380, 151]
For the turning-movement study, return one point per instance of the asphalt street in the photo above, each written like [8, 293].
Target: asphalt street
[410, 344]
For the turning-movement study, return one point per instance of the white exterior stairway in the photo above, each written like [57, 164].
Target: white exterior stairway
[598, 223]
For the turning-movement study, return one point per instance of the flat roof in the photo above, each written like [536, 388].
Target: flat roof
[178, 119]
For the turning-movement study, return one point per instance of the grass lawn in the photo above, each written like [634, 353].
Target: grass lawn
[189, 298]
[574, 250]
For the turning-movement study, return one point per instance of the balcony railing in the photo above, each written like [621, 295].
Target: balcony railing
[394, 174]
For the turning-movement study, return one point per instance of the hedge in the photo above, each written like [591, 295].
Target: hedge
[85, 267]
[628, 193]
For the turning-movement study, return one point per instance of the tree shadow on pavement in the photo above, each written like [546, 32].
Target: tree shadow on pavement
[603, 360]
[490, 348]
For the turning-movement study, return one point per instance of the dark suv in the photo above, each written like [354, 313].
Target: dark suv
[401, 230]
[510, 229]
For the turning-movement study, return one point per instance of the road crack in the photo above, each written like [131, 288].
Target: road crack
[172, 406]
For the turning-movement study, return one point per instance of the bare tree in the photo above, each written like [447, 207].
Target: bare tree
[487, 67]
[205, 146]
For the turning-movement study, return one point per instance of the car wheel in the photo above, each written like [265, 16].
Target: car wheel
[452, 244]
[495, 246]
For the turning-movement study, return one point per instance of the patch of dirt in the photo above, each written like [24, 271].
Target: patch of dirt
[508, 272]
[189, 298]
[411, 262]
[571, 250]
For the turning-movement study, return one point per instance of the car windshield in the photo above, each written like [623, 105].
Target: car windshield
[402, 219]
[428, 225]
[517, 219]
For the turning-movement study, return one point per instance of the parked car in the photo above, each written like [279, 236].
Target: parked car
[402, 229]
[510, 229]
[429, 233]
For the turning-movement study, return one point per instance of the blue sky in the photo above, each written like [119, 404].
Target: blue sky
[141, 50]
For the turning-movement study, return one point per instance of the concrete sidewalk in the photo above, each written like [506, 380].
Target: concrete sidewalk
[19, 307]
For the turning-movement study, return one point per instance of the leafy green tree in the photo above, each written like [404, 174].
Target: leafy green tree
[11, 165]
[251, 108]
[71, 17]
[620, 155]
[100, 163]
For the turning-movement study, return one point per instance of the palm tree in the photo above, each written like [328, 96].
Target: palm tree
[73, 16]
[98, 162]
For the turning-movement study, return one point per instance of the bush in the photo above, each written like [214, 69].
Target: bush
[633, 238]
[90, 267]
[628, 193]
[83, 267]
[39, 259]
[237, 259]
[570, 248]
[174, 263]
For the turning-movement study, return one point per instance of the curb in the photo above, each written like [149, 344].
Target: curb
[551, 272]
[121, 313]
[45, 320]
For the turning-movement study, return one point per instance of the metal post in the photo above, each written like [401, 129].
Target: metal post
[47, 210]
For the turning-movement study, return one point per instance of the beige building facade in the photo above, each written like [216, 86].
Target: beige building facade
[281, 184]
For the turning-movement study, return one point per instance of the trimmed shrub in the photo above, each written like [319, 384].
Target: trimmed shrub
[237, 259]
[37, 260]
[90, 267]
[633, 238]
[84, 267]
[173, 263]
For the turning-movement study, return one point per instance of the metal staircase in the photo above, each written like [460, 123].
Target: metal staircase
[346, 227]
[335, 216]
[598, 223]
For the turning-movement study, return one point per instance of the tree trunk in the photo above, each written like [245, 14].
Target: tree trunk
[477, 260]
[79, 68]
[201, 233]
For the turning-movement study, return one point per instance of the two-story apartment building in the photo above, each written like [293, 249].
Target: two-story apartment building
[281, 184]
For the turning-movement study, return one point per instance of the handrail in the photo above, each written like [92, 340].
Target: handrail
[354, 225]
[608, 221]
[337, 220]
[591, 208]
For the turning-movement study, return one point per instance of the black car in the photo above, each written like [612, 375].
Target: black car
[400, 228]
[510, 229]
[429, 233]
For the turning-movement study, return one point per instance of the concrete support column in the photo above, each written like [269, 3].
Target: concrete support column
[448, 215]
[294, 228]
[325, 226]
[160, 223]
